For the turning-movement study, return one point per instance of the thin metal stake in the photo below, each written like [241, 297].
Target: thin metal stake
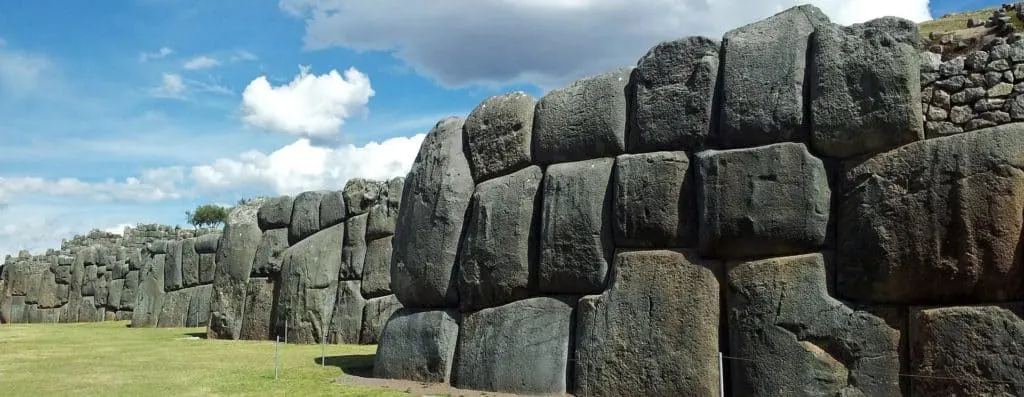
[323, 350]
[285, 330]
[277, 356]
[721, 375]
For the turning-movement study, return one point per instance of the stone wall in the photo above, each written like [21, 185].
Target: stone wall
[311, 267]
[101, 276]
[980, 90]
[771, 195]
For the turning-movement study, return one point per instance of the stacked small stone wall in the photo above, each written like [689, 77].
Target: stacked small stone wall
[93, 277]
[310, 267]
[772, 196]
[175, 282]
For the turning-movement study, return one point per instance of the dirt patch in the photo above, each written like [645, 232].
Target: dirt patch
[420, 388]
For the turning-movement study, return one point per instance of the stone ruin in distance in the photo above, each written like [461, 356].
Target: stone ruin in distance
[833, 209]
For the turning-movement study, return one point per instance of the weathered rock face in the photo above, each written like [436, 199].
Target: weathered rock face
[361, 194]
[276, 213]
[172, 268]
[269, 252]
[498, 135]
[797, 340]
[383, 216]
[639, 334]
[968, 351]
[767, 201]
[234, 259]
[332, 209]
[672, 102]
[375, 316]
[189, 263]
[377, 268]
[762, 78]
[654, 200]
[259, 308]
[575, 237]
[353, 250]
[435, 198]
[498, 263]
[305, 215]
[866, 94]
[943, 215]
[309, 285]
[521, 347]
[418, 345]
[585, 120]
[347, 320]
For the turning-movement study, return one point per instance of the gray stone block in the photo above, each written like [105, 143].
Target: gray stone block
[276, 213]
[418, 345]
[353, 249]
[305, 216]
[585, 120]
[377, 268]
[654, 204]
[347, 320]
[498, 135]
[375, 316]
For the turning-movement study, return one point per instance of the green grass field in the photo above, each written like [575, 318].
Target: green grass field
[110, 359]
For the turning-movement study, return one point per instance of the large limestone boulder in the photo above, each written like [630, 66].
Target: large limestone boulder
[498, 135]
[235, 256]
[332, 209]
[131, 288]
[640, 337]
[866, 89]
[967, 351]
[347, 320]
[942, 215]
[305, 215]
[207, 268]
[189, 263]
[259, 310]
[585, 120]
[575, 232]
[207, 243]
[767, 201]
[353, 249]
[270, 252]
[172, 268]
[383, 216]
[198, 314]
[418, 345]
[149, 297]
[654, 203]
[375, 316]
[672, 102]
[797, 340]
[174, 310]
[762, 74]
[434, 201]
[377, 268]
[522, 347]
[276, 213]
[498, 263]
[309, 285]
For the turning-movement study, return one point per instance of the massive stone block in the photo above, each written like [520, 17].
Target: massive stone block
[361, 194]
[269, 252]
[207, 268]
[418, 345]
[575, 236]
[377, 268]
[48, 295]
[189, 263]
[353, 250]
[383, 216]
[521, 347]
[175, 308]
[941, 215]
[131, 287]
[672, 102]
[498, 262]
[276, 213]
[114, 292]
[797, 340]
[88, 281]
[654, 201]
[866, 89]
[207, 243]
[376, 313]
[348, 314]
[582, 121]
[172, 268]
[967, 351]
[498, 135]
[332, 209]
[434, 202]
[763, 72]
[150, 293]
[767, 201]
[234, 260]
[309, 285]
[259, 310]
[640, 337]
[305, 216]
[199, 307]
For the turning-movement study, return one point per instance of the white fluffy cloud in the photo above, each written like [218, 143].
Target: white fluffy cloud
[171, 86]
[153, 185]
[301, 166]
[163, 52]
[309, 106]
[201, 62]
[545, 42]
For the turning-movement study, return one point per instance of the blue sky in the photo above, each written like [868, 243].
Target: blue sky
[124, 111]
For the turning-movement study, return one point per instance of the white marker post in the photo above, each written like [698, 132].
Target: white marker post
[721, 374]
[277, 356]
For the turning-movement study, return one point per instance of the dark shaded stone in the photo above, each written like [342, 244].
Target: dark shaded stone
[189, 263]
[257, 324]
[207, 268]
[375, 316]
[584, 120]
[353, 250]
[377, 268]
[276, 213]
[207, 243]
[654, 201]
[309, 286]
[348, 314]
[383, 216]
[361, 194]
[332, 209]
[172, 268]
[498, 135]
[418, 345]
[234, 260]
[269, 253]
[305, 216]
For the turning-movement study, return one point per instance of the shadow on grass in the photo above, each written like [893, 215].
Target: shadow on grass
[200, 335]
[353, 364]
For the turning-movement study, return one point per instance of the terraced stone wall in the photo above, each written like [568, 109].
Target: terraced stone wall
[772, 196]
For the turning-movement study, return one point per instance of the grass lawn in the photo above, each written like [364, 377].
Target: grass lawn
[110, 359]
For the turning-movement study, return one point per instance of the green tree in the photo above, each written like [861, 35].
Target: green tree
[207, 215]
